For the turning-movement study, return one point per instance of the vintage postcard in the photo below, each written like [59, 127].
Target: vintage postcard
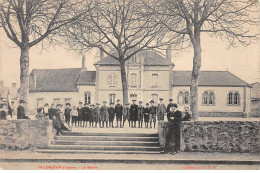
[129, 85]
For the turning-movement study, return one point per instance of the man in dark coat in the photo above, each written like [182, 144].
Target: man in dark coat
[86, 115]
[173, 135]
[80, 116]
[133, 113]
[21, 110]
[3, 113]
[111, 112]
[119, 113]
[168, 108]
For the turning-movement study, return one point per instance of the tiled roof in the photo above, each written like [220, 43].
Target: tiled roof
[56, 80]
[208, 78]
[151, 58]
[87, 78]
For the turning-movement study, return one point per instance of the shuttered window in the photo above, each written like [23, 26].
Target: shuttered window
[112, 80]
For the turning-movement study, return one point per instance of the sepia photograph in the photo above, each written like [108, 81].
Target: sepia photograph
[129, 85]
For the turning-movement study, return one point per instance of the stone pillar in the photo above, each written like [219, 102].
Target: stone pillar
[97, 85]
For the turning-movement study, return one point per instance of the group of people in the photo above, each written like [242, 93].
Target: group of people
[103, 116]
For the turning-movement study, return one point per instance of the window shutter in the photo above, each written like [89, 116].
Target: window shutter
[159, 80]
[150, 79]
[109, 80]
[115, 80]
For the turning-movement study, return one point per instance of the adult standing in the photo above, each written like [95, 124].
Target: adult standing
[21, 110]
[140, 114]
[168, 108]
[104, 114]
[98, 114]
[161, 110]
[133, 113]
[119, 113]
[175, 117]
[3, 113]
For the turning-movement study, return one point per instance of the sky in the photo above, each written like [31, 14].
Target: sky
[241, 61]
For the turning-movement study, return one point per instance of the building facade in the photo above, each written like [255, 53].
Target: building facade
[150, 77]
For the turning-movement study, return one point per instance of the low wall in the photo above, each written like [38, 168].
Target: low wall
[24, 134]
[222, 114]
[216, 136]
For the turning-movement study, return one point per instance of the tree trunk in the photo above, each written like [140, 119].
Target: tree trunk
[24, 73]
[124, 82]
[195, 77]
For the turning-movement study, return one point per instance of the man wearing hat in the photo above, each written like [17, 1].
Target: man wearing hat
[67, 113]
[104, 114]
[140, 114]
[173, 135]
[126, 114]
[161, 110]
[119, 112]
[133, 113]
[168, 108]
[112, 113]
[21, 110]
[93, 116]
[152, 114]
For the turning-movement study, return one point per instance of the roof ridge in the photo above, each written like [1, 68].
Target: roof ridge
[238, 77]
[54, 68]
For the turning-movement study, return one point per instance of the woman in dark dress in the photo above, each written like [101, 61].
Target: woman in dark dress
[187, 116]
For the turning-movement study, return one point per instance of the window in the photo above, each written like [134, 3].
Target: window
[133, 80]
[87, 97]
[155, 80]
[112, 80]
[233, 98]
[39, 103]
[56, 101]
[67, 100]
[155, 97]
[208, 98]
[183, 97]
[112, 98]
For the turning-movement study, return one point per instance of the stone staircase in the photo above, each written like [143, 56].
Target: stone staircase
[104, 143]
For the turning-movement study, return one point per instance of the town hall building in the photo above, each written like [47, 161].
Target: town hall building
[150, 77]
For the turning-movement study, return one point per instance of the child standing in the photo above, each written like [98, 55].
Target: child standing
[146, 115]
[93, 116]
[79, 109]
[111, 112]
[74, 115]
[140, 114]
[152, 114]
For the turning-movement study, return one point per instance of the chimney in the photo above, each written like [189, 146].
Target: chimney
[84, 63]
[14, 85]
[101, 54]
[169, 53]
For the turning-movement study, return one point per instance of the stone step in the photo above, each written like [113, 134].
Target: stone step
[52, 151]
[110, 148]
[110, 134]
[106, 143]
[105, 138]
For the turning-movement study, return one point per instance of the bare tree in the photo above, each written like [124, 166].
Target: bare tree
[29, 22]
[226, 19]
[118, 28]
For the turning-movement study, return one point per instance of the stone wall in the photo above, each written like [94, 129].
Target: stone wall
[24, 134]
[217, 136]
